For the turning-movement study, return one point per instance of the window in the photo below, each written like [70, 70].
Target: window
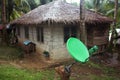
[18, 31]
[26, 29]
[69, 32]
[40, 36]
[99, 31]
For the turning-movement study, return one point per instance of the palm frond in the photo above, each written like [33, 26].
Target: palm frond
[110, 12]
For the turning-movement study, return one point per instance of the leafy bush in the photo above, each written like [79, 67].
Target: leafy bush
[10, 53]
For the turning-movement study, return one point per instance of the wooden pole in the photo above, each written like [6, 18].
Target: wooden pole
[64, 75]
[111, 45]
[3, 12]
[83, 32]
[4, 40]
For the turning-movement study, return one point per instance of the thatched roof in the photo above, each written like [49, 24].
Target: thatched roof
[59, 12]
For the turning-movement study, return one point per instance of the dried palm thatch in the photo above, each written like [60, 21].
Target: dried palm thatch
[59, 12]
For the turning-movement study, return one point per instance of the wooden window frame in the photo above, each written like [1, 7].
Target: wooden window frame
[69, 32]
[26, 31]
[40, 35]
[18, 31]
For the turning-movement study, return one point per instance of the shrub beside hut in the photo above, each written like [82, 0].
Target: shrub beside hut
[50, 25]
[1, 33]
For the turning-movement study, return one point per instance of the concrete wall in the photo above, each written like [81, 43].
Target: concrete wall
[53, 41]
[59, 47]
[40, 47]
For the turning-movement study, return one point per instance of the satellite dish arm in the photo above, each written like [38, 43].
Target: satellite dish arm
[68, 68]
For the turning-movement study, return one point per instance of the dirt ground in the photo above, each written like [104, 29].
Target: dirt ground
[35, 61]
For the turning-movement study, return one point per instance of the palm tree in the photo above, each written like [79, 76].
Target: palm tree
[114, 33]
[112, 46]
[115, 13]
[33, 3]
[45, 1]
[110, 11]
[3, 12]
[17, 8]
[96, 5]
[105, 7]
[12, 9]
[0, 10]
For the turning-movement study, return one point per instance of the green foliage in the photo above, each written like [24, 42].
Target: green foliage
[37, 2]
[105, 7]
[19, 7]
[16, 8]
[44, 1]
[10, 53]
[15, 14]
[25, 6]
[96, 5]
[33, 3]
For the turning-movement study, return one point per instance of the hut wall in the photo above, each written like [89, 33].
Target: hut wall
[21, 32]
[42, 46]
[53, 40]
[89, 36]
[98, 35]
[32, 33]
[59, 50]
[32, 37]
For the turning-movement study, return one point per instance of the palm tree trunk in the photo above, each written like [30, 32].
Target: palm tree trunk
[4, 41]
[9, 9]
[111, 45]
[115, 13]
[83, 34]
[114, 26]
[3, 12]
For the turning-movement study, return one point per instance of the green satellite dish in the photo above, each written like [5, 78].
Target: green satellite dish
[77, 49]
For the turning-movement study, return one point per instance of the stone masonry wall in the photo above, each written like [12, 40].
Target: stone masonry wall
[53, 41]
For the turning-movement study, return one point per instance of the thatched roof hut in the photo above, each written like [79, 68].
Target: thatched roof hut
[64, 19]
[59, 12]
